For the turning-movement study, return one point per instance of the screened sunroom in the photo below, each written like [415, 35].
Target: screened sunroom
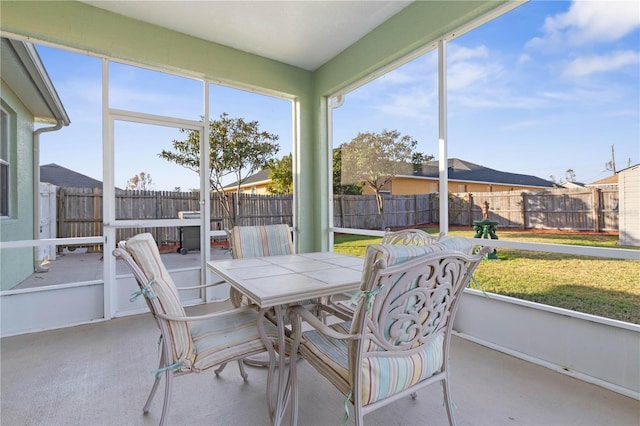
[302, 62]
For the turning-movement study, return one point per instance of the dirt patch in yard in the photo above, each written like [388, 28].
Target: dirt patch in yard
[532, 231]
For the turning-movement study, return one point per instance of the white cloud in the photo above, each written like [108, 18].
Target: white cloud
[523, 59]
[522, 125]
[589, 22]
[586, 65]
[460, 53]
[468, 67]
[414, 104]
[463, 75]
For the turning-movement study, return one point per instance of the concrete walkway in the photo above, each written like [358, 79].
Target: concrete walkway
[80, 267]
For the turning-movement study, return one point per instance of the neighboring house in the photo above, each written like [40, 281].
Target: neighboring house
[573, 185]
[254, 184]
[27, 96]
[608, 181]
[463, 177]
[61, 176]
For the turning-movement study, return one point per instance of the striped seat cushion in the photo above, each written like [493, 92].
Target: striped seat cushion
[384, 376]
[329, 355]
[381, 377]
[233, 334]
[256, 241]
[144, 251]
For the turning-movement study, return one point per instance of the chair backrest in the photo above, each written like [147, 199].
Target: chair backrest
[414, 237]
[405, 315]
[141, 254]
[260, 240]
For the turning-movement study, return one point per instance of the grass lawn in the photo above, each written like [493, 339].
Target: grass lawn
[604, 287]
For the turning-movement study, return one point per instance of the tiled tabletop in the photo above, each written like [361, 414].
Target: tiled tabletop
[277, 280]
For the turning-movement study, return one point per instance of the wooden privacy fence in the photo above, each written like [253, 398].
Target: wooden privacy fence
[580, 209]
[79, 212]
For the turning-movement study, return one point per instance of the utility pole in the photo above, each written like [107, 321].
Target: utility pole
[613, 161]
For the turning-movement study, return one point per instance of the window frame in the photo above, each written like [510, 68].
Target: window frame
[5, 163]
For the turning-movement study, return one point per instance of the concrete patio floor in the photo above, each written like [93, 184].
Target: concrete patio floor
[100, 374]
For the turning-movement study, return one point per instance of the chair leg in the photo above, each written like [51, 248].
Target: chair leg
[293, 383]
[154, 388]
[167, 396]
[448, 402]
[359, 415]
[219, 369]
[243, 373]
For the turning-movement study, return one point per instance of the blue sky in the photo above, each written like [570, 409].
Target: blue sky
[548, 87]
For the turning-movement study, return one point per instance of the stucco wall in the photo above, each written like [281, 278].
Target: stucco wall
[17, 264]
[406, 186]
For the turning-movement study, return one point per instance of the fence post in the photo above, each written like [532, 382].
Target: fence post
[158, 211]
[61, 202]
[524, 210]
[341, 210]
[234, 213]
[597, 209]
[470, 209]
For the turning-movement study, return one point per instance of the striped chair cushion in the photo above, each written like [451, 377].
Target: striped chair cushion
[329, 355]
[457, 243]
[381, 377]
[144, 251]
[256, 241]
[384, 376]
[230, 335]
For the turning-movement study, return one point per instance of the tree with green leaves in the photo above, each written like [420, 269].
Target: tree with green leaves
[338, 187]
[141, 181]
[373, 159]
[418, 159]
[237, 148]
[281, 175]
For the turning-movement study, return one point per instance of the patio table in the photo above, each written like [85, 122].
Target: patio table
[276, 282]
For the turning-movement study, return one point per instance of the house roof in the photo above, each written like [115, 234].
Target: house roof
[609, 180]
[465, 171]
[61, 176]
[24, 73]
[458, 170]
[261, 176]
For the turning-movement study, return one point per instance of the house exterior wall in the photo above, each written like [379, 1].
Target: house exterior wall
[258, 188]
[17, 264]
[629, 207]
[413, 186]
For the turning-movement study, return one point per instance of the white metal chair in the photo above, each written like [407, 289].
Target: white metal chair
[406, 237]
[189, 344]
[398, 339]
[414, 237]
[256, 241]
